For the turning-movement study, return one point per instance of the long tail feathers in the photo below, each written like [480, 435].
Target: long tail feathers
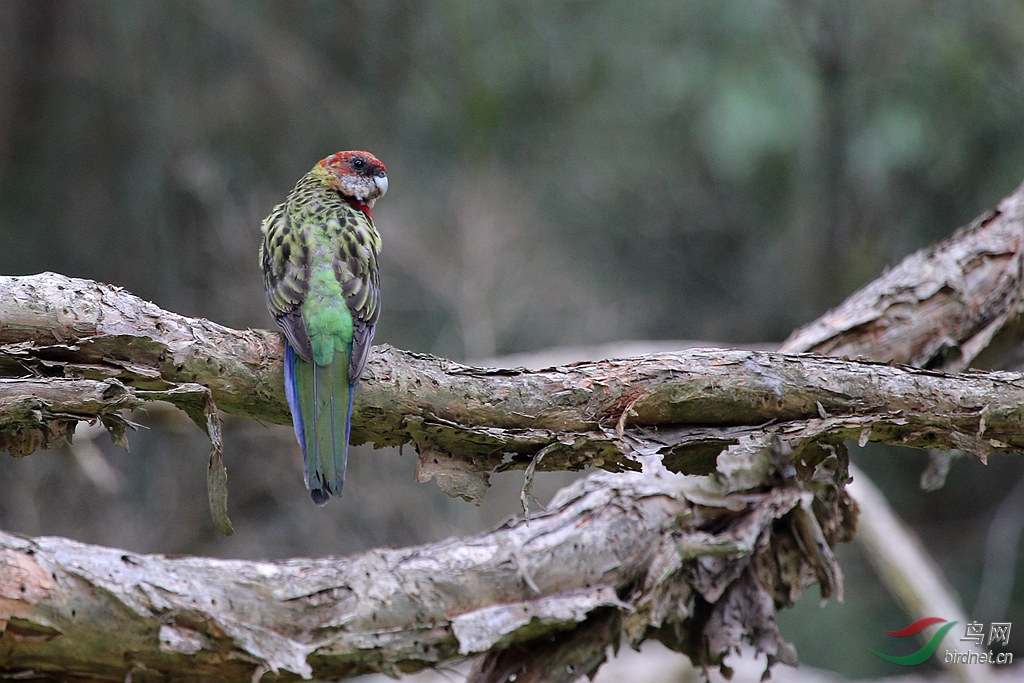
[291, 393]
[320, 399]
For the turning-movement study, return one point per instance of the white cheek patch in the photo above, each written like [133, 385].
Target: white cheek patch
[363, 189]
[360, 188]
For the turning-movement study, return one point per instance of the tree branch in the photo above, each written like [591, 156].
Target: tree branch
[700, 563]
[467, 422]
[942, 307]
[67, 606]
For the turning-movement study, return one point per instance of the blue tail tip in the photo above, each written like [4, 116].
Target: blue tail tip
[320, 496]
[321, 491]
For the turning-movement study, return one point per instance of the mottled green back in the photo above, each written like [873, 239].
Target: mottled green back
[319, 258]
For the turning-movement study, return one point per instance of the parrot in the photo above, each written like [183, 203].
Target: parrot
[319, 258]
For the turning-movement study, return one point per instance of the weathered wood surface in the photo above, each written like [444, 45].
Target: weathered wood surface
[96, 612]
[468, 422]
[699, 562]
[946, 306]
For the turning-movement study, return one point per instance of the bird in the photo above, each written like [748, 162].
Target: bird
[319, 258]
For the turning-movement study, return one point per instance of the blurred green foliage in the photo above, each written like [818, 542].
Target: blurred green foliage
[561, 173]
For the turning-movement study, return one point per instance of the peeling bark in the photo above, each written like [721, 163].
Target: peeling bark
[942, 307]
[633, 548]
[701, 563]
[467, 422]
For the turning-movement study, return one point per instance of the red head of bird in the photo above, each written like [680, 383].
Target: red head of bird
[358, 176]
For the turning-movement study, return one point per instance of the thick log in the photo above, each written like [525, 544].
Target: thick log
[606, 550]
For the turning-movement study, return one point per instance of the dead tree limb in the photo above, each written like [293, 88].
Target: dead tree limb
[949, 306]
[70, 607]
[943, 307]
[467, 422]
[701, 563]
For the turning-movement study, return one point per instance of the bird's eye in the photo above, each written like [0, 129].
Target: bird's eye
[358, 164]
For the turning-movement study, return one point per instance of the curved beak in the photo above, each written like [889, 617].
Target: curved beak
[381, 181]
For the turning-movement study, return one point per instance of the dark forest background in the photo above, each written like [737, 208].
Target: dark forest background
[562, 174]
